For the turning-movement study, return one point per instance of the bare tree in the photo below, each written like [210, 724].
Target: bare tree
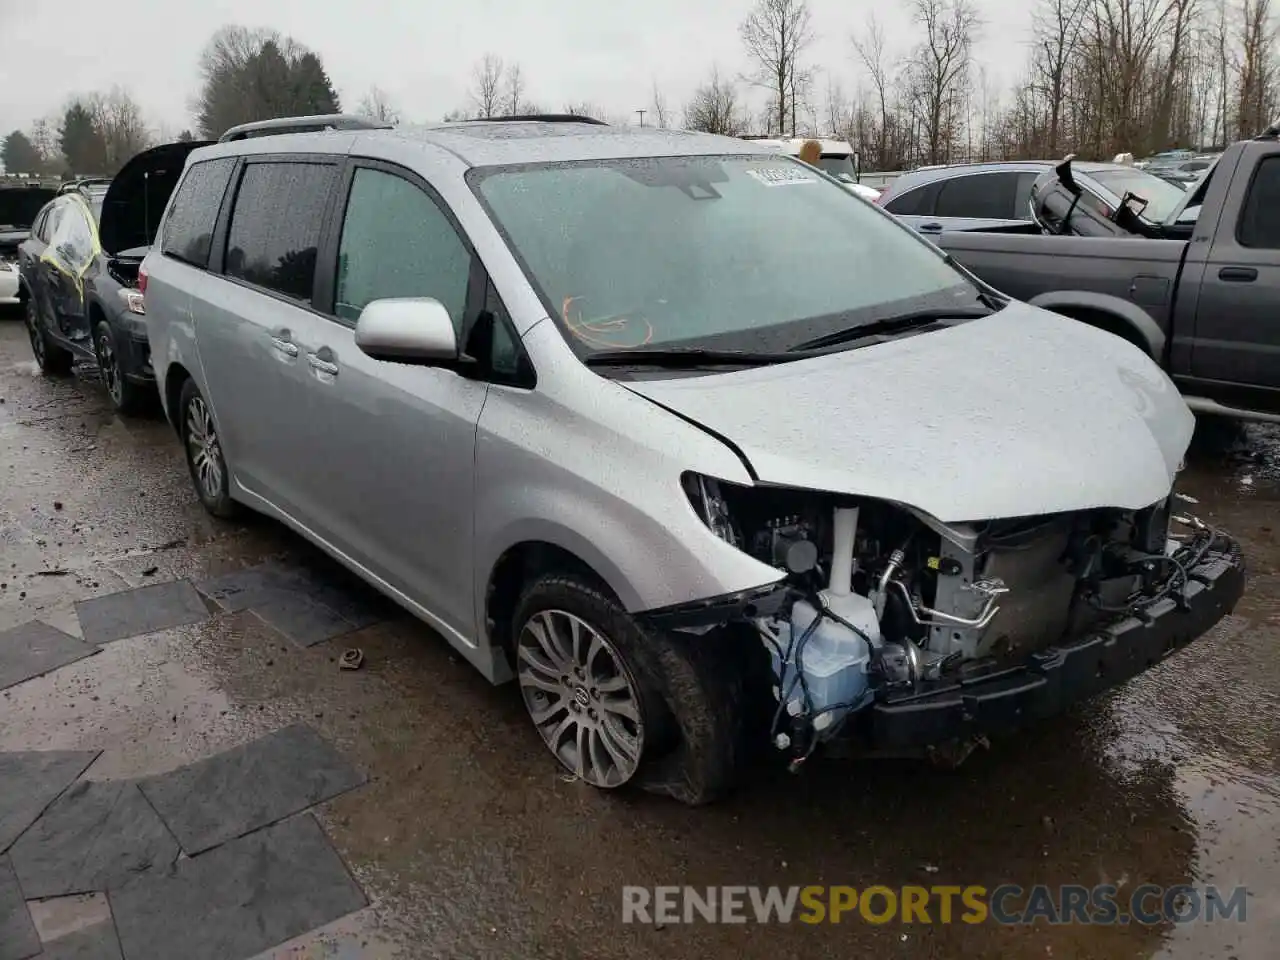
[119, 122]
[714, 107]
[44, 137]
[486, 92]
[1056, 25]
[584, 108]
[940, 69]
[1256, 74]
[839, 114]
[515, 102]
[661, 112]
[776, 34]
[376, 104]
[871, 52]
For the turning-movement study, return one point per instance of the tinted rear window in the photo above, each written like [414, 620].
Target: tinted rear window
[188, 231]
[917, 202]
[1259, 226]
[986, 196]
[274, 235]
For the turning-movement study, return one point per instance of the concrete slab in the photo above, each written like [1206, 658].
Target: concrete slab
[248, 787]
[98, 942]
[238, 900]
[18, 938]
[131, 613]
[34, 649]
[277, 591]
[302, 621]
[95, 836]
[43, 775]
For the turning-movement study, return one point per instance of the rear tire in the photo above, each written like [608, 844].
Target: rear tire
[685, 698]
[53, 360]
[204, 455]
[127, 397]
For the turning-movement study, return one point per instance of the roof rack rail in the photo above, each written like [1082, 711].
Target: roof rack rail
[313, 124]
[542, 118]
[1271, 132]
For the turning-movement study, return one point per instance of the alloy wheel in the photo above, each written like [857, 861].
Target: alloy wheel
[581, 697]
[109, 365]
[203, 448]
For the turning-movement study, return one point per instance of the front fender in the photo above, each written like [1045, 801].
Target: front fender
[1147, 332]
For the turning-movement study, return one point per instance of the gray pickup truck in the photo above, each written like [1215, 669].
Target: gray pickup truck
[1207, 306]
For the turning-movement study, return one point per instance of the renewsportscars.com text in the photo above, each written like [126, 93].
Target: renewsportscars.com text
[1008, 904]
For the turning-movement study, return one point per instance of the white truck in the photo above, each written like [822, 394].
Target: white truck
[838, 158]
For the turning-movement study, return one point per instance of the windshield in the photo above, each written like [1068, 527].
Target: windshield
[838, 165]
[741, 252]
[1162, 197]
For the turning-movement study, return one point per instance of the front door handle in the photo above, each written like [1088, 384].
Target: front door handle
[930, 228]
[281, 340]
[1238, 274]
[324, 366]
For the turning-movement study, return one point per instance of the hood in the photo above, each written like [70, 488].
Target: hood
[19, 205]
[137, 196]
[1017, 414]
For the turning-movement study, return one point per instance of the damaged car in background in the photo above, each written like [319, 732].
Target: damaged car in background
[79, 269]
[20, 202]
[702, 451]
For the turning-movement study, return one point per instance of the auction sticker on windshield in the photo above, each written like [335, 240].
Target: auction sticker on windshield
[781, 176]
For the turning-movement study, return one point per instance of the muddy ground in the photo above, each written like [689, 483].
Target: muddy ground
[470, 842]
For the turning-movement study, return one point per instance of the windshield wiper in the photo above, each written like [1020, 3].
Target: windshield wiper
[684, 358]
[889, 325]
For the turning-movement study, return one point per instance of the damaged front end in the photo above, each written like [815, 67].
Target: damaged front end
[893, 631]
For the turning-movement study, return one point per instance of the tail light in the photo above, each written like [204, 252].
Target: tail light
[142, 281]
[133, 301]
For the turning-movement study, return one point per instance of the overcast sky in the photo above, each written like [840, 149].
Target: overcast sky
[422, 51]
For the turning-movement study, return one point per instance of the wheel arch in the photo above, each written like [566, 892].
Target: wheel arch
[174, 377]
[523, 562]
[1118, 317]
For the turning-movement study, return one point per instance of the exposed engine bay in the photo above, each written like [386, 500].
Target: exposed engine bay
[882, 598]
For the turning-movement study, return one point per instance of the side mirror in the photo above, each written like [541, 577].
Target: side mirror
[407, 330]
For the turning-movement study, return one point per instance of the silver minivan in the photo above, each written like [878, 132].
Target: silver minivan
[701, 450]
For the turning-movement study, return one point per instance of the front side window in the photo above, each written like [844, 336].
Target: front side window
[397, 243]
[72, 242]
[985, 196]
[39, 230]
[188, 230]
[274, 236]
[730, 252]
[1259, 225]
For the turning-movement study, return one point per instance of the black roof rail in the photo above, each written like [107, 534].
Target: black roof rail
[542, 118]
[1271, 133]
[314, 124]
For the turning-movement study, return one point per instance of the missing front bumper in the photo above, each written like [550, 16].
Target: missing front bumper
[1052, 680]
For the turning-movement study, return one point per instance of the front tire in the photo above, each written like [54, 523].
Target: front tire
[126, 396]
[53, 360]
[203, 450]
[668, 714]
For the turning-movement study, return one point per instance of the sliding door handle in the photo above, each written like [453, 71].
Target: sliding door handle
[284, 346]
[324, 366]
